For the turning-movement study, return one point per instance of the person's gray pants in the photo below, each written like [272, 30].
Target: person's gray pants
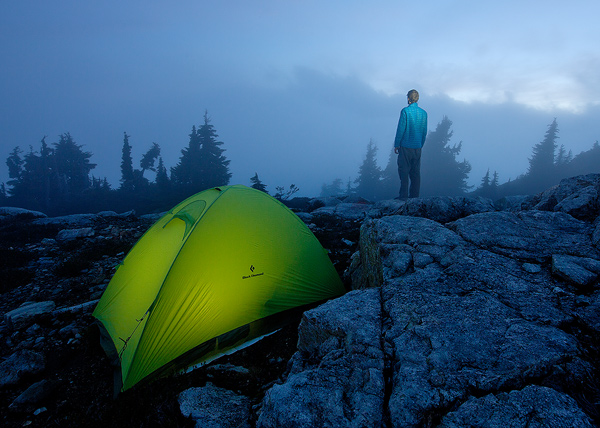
[409, 167]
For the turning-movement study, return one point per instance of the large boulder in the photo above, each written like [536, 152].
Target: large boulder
[577, 196]
[482, 318]
[337, 376]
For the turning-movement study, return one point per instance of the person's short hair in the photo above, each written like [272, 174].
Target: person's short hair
[413, 96]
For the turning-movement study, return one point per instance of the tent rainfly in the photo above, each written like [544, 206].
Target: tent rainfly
[222, 268]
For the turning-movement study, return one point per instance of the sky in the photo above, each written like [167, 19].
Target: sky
[297, 89]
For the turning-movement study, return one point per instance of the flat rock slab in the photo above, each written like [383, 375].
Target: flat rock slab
[581, 271]
[528, 235]
[21, 316]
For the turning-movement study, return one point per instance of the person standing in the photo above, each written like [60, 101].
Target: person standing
[410, 138]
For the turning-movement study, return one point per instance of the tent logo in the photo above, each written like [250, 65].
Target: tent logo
[252, 275]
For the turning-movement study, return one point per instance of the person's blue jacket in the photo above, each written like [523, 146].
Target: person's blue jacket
[412, 127]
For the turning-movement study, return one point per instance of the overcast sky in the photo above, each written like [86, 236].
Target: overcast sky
[296, 89]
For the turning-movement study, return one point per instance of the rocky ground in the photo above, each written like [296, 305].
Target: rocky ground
[464, 312]
[53, 371]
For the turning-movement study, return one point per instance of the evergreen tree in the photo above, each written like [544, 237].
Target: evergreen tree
[542, 169]
[72, 165]
[541, 162]
[127, 178]
[390, 180]
[72, 171]
[186, 175]
[350, 189]
[561, 156]
[489, 186]
[162, 178]
[148, 159]
[485, 181]
[35, 180]
[333, 189]
[369, 174]
[3, 195]
[15, 170]
[441, 173]
[214, 166]
[495, 179]
[494, 186]
[257, 184]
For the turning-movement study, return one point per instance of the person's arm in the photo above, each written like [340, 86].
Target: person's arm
[400, 131]
[424, 133]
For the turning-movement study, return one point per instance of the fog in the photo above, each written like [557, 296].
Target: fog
[297, 106]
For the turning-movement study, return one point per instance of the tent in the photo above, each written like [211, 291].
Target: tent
[220, 269]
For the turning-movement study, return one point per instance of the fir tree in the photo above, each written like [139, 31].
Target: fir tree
[186, 174]
[257, 184]
[333, 189]
[15, 170]
[441, 173]
[369, 174]
[541, 163]
[214, 166]
[72, 167]
[485, 181]
[3, 194]
[162, 178]
[542, 171]
[127, 178]
[148, 159]
[390, 180]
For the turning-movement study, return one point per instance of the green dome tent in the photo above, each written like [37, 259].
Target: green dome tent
[223, 267]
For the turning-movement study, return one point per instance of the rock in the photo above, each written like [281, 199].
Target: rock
[579, 194]
[596, 233]
[386, 207]
[325, 202]
[8, 212]
[32, 396]
[581, 271]
[66, 235]
[534, 406]
[22, 363]
[514, 203]
[347, 211]
[469, 306]
[83, 307]
[228, 368]
[445, 345]
[112, 214]
[387, 246]
[582, 205]
[305, 217]
[73, 220]
[213, 407]
[336, 378]
[22, 316]
[444, 209]
[530, 235]
[532, 268]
